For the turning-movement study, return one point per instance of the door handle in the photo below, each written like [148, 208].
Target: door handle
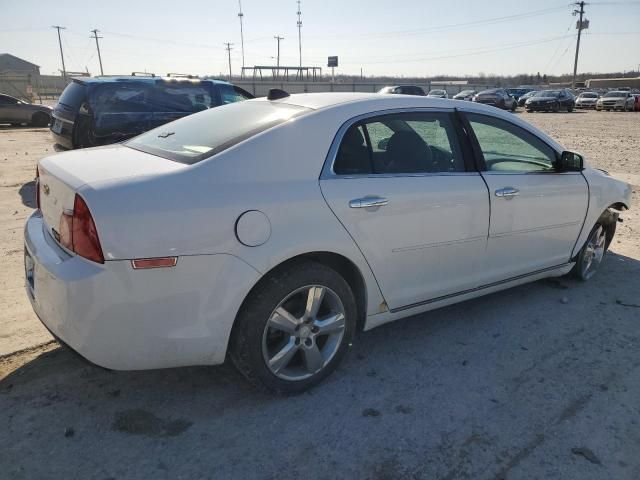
[507, 192]
[366, 202]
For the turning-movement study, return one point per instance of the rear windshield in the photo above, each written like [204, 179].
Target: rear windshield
[202, 135]
[73, 95]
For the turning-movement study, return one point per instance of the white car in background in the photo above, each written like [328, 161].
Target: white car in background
[274, 229]
[587, 100]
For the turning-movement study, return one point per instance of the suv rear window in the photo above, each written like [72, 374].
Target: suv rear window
[182, 97]
[202, 135]
[73, 95]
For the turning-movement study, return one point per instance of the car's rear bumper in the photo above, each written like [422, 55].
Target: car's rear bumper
[127, 319]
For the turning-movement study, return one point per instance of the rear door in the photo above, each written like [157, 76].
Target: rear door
[536, 212]
[399, 184]
[9, 110]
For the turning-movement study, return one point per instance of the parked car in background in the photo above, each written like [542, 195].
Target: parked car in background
[523, 98]
[496, 97]
[617, 100]
[235, 230]
[17, 112]
[518, 92]
[465, 95]
[403, 90]
[587, 100]
[550, 101]
[438, 94]
[104, 110]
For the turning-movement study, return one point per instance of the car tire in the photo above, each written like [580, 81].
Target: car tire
[277, 345]
[513, 106]
[40, 119]
[569, 109]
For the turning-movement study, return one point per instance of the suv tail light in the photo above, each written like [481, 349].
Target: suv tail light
[37, 188]
[78, 232]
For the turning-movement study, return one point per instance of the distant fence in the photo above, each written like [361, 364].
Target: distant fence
[38, 87]
[32, 87]
[261, 88]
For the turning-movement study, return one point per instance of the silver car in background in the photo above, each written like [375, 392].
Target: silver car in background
[587, 100]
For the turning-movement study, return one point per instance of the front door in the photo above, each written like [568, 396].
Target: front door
[400, 187]
[536, 213]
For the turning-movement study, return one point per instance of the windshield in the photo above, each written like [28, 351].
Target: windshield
[202, 135]
[616, 94]
[548, 93]
[589, 95]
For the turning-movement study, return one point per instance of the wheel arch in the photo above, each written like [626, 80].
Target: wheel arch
[341, 264]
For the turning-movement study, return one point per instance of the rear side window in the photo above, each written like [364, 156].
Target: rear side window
[405, 143]
[120, 98]
[181, 97]
[73, 95]
[196, 137]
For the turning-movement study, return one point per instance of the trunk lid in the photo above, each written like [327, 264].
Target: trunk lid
[62, 175]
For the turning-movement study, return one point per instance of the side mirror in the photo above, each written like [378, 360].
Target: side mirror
[570, 162]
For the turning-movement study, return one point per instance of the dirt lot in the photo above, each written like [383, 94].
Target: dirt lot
[541, 381]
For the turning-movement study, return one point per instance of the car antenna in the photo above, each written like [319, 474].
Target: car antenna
[276, 94]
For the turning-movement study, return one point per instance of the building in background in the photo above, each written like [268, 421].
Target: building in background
[10, 64]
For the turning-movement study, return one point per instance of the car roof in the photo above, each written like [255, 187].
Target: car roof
[149, 80]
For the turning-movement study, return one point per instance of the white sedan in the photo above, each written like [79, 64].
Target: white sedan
[274, 229]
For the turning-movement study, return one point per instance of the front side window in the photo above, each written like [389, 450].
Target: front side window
[508, 148]
[232, 94]
[404, 143]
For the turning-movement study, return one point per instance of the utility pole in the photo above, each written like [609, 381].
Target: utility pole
[95, 35]
[228, 49]
[582, 25]
[240, 16]
[278, 38]
[300, 33]
[64, 70]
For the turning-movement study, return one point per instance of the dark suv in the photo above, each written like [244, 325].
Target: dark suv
[103, 110]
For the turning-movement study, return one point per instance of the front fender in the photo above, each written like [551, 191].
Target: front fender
[604, 191]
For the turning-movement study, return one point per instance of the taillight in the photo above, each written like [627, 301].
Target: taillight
[37, 188]
[78, 232]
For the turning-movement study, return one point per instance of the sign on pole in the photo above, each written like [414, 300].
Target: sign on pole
[332, 62]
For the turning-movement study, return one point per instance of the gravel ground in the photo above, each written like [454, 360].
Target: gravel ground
[540, 381]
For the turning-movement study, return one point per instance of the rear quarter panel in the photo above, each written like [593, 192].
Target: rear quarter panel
[194, 211]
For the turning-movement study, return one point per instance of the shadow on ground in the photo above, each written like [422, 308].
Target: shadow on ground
[540, 381]
[28, 194]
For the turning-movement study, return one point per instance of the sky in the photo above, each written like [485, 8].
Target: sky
[381, 37]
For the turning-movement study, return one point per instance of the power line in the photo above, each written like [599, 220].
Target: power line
[95, 35]
[64, 70]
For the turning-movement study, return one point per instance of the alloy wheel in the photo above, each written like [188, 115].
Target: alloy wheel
[303, 333]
